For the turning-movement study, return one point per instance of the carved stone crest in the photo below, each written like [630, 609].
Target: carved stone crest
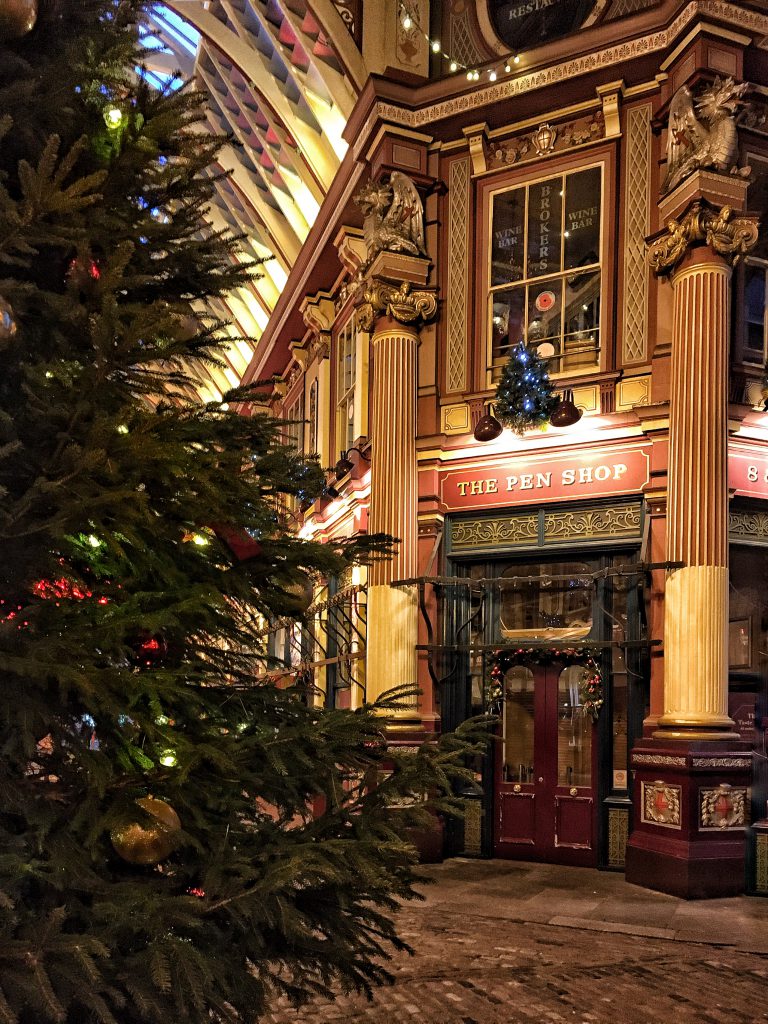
[661, 804]
[394, 216]
[723, 807]
[702, 132]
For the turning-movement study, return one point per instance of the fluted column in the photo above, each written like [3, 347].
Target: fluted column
[394, 315]
[696, 600]
[392, 612]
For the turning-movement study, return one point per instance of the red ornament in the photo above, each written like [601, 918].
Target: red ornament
[82, 273]
[149, 650]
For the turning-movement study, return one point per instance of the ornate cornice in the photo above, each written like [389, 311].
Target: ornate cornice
[380, 298]
[728, 236]
[524, 83]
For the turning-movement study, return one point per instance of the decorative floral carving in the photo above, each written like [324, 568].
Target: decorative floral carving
[548, 139]
[401, 303]
[722, 762]
[489, 532]
[619, 521]
[749, 524]
[665, 760]
[729, 236]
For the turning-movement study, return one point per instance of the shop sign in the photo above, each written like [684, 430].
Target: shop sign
[742, 708]
[528, 480]
[748, 471]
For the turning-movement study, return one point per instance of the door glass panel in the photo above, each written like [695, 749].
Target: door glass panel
[574, 732]
[518, 725]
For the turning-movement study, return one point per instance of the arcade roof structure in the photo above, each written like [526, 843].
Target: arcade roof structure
[283, 92]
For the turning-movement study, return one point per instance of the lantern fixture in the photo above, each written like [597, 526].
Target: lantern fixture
[565, 413]
[487, 427]
[345, 464]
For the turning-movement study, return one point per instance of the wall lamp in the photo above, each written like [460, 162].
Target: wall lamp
[345, 464]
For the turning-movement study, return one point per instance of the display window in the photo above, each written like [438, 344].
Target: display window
[545, 274]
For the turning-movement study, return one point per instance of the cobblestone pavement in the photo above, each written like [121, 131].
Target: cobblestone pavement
[556, 952]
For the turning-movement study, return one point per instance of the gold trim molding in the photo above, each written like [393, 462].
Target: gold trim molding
[399, 302]
[543, 528]
[728, 236]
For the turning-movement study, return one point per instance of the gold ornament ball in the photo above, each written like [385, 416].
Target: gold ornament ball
[17, 17]
[138, 844]
[186, 326]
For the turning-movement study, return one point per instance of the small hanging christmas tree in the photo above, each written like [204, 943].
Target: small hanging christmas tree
[524, 396]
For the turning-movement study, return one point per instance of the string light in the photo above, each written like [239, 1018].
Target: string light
[409, 21]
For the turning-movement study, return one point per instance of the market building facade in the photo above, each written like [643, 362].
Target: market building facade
[586, 178]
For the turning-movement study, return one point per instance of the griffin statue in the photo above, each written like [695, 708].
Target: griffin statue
[394, 216]
[702, 132]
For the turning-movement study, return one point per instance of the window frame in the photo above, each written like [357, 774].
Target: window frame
[293, 414]
[346, 343]
[346, 432]
[529, 175]
[741, 349]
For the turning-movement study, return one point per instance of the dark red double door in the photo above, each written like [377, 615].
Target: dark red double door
[544, 806]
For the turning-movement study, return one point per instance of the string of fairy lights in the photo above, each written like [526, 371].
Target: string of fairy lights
[410, 22]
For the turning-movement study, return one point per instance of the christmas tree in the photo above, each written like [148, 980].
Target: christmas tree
[179, 837]
[524, 396]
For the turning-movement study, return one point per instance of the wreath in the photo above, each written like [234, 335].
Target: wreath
[591, 697]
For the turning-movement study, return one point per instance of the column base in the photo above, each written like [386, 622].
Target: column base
[693, 734]
[406, 730]
[691, 806]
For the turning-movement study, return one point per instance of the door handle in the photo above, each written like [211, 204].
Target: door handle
[540, 778]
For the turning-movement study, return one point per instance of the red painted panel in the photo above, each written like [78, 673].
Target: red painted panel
[525, 479]
[573, 822]
[517, 819]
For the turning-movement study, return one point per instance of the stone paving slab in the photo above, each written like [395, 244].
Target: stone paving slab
[476, 964]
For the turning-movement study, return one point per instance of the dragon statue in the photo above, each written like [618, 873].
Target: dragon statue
[394, 216]
[702, 132]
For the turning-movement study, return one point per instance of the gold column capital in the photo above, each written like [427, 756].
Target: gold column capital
[729, 236]
[405, 306]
